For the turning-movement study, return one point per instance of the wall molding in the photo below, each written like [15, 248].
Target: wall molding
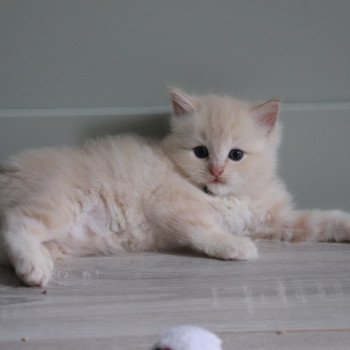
[115, 111]
[80, 112]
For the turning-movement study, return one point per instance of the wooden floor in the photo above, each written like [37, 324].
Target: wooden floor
[291, 297]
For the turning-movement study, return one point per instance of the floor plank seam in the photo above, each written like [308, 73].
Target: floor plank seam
[286, 330]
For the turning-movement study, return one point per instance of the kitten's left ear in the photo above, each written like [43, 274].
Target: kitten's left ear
[182, 104]
[266, 114]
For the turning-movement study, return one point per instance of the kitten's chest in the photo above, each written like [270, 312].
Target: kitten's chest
[244, 212]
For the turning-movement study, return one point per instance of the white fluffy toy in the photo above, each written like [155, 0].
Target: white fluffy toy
[188, 338]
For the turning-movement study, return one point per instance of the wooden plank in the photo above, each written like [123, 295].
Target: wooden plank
[126, 301]
[265, 341]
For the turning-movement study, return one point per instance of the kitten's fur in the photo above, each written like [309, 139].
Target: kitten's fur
[129, 193]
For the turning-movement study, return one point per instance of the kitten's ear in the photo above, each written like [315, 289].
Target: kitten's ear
[182, 104]
[266, 114]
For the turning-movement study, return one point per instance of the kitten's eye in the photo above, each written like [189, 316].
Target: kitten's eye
[236, 154]
[201, 152]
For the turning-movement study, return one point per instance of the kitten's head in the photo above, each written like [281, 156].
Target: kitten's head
[224, 145]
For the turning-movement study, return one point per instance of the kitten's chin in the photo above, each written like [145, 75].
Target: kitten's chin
[219, 190]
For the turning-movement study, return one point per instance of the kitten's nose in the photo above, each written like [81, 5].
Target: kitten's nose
[216, 170]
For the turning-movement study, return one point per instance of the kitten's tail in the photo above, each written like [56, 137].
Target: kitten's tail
[320, 225]
[308, 225]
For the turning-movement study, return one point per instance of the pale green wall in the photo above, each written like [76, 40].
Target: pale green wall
[85, 53]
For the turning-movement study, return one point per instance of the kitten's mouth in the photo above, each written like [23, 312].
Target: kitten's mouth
[217, 180]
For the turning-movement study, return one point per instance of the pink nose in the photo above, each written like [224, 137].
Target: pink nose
[216, 170]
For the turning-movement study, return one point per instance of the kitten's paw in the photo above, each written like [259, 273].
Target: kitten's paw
[238, 248]
[36, 271]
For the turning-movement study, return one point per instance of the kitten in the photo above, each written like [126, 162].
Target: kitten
[229, 148]
[209, 185]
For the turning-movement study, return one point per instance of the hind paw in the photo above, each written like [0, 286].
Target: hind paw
[34, 272]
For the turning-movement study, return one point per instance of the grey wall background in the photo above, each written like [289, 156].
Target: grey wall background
[60, 61]
[90, 53]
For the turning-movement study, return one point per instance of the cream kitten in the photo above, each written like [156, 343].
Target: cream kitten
[208, 184]
[229, 148]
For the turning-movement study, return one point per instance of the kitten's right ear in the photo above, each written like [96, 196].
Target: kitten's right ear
[266, 115]
[182, 104]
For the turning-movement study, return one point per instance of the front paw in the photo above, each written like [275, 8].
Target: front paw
[34, 271]
[235, 248]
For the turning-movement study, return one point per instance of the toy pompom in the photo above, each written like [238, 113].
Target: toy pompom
[188, 338]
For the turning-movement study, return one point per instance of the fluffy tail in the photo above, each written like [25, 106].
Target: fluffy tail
[320, 225]
[307, 225]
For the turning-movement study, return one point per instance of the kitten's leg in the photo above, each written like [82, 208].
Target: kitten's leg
[21, 239]
[189, 219]
[309, 225]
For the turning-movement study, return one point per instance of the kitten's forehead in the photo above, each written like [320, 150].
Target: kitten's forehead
[223, 119]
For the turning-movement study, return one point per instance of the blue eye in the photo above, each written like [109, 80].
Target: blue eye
[201, 152]
[236, 154]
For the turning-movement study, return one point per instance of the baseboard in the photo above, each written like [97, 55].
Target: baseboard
[117, 111]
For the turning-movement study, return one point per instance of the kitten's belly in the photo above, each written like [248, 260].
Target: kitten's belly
[98, 231]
